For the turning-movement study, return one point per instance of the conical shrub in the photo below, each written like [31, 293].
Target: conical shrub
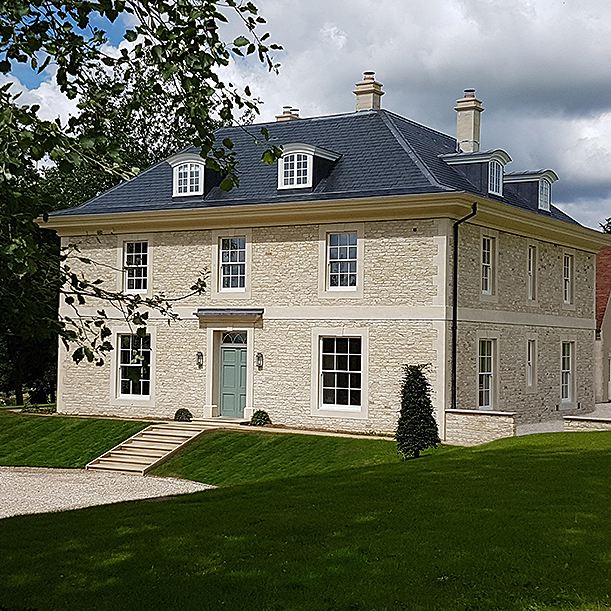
[417, 428]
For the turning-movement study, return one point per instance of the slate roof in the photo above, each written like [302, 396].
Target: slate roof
[381, 154]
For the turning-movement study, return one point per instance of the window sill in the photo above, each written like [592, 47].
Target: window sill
[339, 412]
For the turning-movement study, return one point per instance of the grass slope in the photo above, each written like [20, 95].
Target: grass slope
[55, 441]
[520, 524]
[226, 458]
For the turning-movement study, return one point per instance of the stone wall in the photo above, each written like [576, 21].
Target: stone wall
[575, 424]
[470, 428]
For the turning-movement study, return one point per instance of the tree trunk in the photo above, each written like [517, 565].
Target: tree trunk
[18, 393]
[416, 453]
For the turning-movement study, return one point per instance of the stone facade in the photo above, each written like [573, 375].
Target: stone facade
[403, 310]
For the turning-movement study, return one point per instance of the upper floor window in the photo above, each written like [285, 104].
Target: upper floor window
[188, 179]
[233, 264]
[295, 171]
[136, 264]
[488, 265]
[545, 189]
[495, 178]
[532, 273]
[342, 261]
[567, 279]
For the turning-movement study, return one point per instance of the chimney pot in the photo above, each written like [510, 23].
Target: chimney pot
[368, 92]
[288, 114]
[468, 122]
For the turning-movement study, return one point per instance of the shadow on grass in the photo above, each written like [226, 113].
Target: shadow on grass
[519, 525]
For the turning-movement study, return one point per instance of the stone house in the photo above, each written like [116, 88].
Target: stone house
[603, 326]
[332, 269]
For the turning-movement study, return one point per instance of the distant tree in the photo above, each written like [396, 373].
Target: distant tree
[606, 226]
[170, 64]
[417, 429]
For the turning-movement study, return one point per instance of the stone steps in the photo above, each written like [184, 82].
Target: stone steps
[150, 447]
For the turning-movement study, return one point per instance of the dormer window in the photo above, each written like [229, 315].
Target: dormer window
[188, 179]
[296, 171]
[495, 178]
[304, 165]
[545, 189]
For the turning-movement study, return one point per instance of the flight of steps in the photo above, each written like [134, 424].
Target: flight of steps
[150, 447]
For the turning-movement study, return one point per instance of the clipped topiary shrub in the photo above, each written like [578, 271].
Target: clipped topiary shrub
[417, 429]
[260, 418]
[183, 415]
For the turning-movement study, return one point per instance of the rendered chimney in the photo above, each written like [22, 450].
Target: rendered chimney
[368, 92]
[288, 114]
[468, 121]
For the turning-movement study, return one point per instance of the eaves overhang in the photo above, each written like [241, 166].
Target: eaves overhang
[455, 205]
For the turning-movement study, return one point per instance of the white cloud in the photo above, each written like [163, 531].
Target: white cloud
[540, 66]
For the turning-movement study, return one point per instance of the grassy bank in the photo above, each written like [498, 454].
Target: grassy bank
[521, 524]
[55, 441]
[229, 457]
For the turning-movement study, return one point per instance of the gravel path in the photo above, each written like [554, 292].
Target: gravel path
[36, 490]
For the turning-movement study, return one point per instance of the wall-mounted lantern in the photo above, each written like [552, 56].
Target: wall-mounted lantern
[259, 360]
[200, 359]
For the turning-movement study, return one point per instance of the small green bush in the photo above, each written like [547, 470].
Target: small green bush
[260, 418]
[39, 409]
[183, 415]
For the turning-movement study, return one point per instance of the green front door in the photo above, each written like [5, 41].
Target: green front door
[233, 375]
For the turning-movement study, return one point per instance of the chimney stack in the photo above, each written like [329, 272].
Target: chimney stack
[288, 114]
[468, 122]
[368, 92]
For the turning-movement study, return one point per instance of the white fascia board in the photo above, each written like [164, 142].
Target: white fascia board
[301, 147]
[481, 157]
[548, 175]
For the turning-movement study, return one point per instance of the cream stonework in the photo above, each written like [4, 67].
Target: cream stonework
[316, 332]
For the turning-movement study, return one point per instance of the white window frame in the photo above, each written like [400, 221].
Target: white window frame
[567, 373]
[532, 264]
[568, 279]
[488, 265]
[217, 290]
[130, 262]
[342, 261]
[291, 171]
[486, 374]
[118, 398]
[495, 177]
[191, 166]
[325, 291]
[136, 353]
[319, 408]
[545, 194]
[531, 364]
[229, 259]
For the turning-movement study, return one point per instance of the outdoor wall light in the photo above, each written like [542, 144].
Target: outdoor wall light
[200, 359]
[259, 360]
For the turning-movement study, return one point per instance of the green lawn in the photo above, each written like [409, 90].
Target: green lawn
[56, 441]
[521, 524]
[226, 458]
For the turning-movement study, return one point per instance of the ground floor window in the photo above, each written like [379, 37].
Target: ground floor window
[341, 371]
[134, 365]
[486, 374]
[567, 372]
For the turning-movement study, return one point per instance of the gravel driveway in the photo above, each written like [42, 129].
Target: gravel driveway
[36, 490]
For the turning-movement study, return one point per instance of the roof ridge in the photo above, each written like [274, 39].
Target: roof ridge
[419, 125]
[406, 146]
